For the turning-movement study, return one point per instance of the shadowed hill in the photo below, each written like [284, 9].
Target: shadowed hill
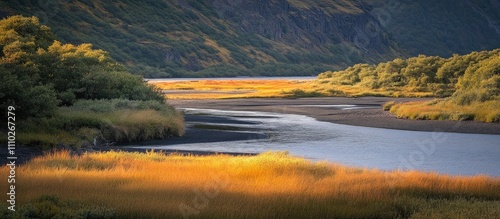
[195, 38]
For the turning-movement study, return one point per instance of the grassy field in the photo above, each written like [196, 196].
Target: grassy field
[256, 88]
[270, 185]
[440, 109]
[359, 91]
[221, 89]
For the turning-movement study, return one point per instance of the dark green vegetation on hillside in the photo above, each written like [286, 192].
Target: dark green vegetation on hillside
[211, 38]
[441, 27]
[200, 38]
[46, 81]
[471, 82]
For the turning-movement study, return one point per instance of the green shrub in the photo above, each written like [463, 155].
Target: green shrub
[299, 93]
[335, 92]
[462, 98]
[464, 116]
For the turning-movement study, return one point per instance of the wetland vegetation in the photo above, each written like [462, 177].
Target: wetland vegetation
[152, 185]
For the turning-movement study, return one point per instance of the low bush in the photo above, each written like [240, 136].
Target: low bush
[299, 93]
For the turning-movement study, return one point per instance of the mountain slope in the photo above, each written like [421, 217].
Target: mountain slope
[441, 27]
[200, 38]
[195, 38]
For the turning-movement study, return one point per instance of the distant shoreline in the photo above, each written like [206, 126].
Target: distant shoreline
[374, 116]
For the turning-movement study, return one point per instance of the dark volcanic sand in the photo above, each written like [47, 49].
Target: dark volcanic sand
[372, 117]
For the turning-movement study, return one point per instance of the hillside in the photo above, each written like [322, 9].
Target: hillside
[195, 38]
[441, 27]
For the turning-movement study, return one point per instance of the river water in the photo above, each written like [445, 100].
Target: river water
[384, 149]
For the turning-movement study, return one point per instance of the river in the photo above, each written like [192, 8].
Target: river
[384, 149]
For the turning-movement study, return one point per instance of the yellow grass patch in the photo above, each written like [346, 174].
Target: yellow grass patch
[446, 109]
[264, 186]
[328, 87]
[221, 89]
[261, 88]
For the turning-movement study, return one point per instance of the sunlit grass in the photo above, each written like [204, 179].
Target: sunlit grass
[221, 89]
[257, 88]
[488, 111]
[269, 185]
[359, 91]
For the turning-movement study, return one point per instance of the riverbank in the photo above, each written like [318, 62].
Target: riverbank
[364, 111]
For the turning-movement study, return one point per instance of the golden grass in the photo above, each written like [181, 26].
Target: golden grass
[258, 88]
[359, 91]
[221, 89]
[270, 185]
[446, 109]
